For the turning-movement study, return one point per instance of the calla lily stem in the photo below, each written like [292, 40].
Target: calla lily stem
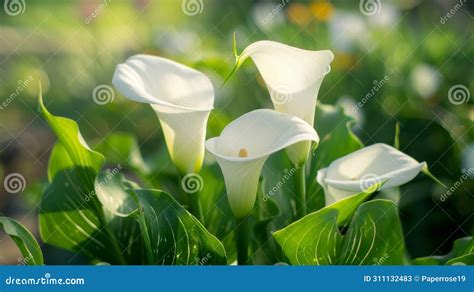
[195, 206]
[300, 191]
[242, 237]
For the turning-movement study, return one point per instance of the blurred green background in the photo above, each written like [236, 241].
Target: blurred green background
[423, 49]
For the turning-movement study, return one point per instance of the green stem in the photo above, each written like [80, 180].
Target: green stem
[192, 198]
[300, 191]
[242, 240]
[115, 246]
[146, 236]
[195, 206]
[113, 239]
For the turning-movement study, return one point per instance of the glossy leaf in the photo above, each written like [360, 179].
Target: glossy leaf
[71, 215]
[374, 235]
[175, 236]
[110, 190]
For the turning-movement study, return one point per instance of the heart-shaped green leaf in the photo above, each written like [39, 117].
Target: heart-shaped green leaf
[374, 235]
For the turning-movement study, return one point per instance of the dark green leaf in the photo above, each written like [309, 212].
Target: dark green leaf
[175, 236]
[462, 253]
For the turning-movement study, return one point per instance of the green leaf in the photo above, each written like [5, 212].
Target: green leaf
[25, 241]
[122, 148]
[340, 212]
[95, 213]
[218, 216]
[71, 215]
[467, 259]
[111, 191]
[374, 235]
[462, 252]
[263, 249]
[337, 139]
[175, 236]
[72, 143]
[347, 206]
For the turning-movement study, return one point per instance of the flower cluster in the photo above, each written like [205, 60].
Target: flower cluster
[183, 99]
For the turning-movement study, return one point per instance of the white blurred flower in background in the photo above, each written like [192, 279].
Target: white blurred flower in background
[348, 31]
[425, 80]
[175, 42]
[388, 16]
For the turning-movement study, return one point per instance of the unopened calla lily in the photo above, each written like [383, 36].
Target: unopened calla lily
[244, 145]
[182, 99]
[375, 164]
[293, 77]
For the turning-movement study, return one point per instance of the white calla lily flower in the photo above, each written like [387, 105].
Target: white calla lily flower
[293, 77]
[244, 145]
[182, 99]
[364, 168]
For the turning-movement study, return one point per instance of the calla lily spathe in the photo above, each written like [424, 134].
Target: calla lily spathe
[182, 99]
[293, 77]
[358, 171]
[244, 145]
